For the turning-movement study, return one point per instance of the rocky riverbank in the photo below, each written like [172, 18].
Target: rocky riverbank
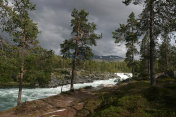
[134, 98]
[79, 103]
[61, 79]
[80, 78]
[8, 96]
[15, 85]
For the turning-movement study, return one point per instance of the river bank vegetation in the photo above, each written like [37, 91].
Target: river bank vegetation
[147, 37]
[40, 63]
[128, 99]
[138, 99]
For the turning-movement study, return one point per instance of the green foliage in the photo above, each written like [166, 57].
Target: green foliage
[145, 58]
[9, 63]
[127, 2]
[92, 104]
[101, 67]
[84, 36]
[138, 99]
[129, 34]
[38, 65]
[131, 106]
[172, 61]
[155, 21]
[133, 103]
[163, 30]
[18, 23]
[167, 56]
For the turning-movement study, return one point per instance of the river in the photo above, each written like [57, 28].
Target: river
[8, 97]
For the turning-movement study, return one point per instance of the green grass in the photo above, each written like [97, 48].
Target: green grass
[139, 99]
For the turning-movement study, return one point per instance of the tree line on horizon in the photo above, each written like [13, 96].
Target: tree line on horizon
[27, 60]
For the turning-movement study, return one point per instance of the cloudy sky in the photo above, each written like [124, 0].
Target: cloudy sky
[53, 18]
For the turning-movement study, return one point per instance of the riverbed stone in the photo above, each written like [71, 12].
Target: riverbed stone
[56, 81]
[79, 106]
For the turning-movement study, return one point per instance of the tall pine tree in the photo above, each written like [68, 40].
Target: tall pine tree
[144, 52]
[160, 14]
[164, 52]
[24, 31]
[83, 37]
[129, 34]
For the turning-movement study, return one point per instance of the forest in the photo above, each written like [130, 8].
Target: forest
[148, 38]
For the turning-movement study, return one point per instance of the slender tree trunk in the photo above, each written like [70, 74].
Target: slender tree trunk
[2, 45]
[22, 71]
[74, 66]
[64, 63]
[148, 59]
[152, 45]
[73, 73]
[75, 57]
[167, 54]
[1, 48]
[148, 67]
[61, 87]
[133, 58]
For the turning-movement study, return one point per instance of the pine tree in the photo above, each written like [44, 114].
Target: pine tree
[159, 18]
[83, 36]
[149, 8]
[21, 27]
[1, 44]
[129, 34]
[144, 52]
[164, 50]
[172, 60]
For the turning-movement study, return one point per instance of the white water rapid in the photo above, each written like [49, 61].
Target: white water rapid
[8, 97]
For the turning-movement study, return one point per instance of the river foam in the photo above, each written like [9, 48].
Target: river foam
[8, 97]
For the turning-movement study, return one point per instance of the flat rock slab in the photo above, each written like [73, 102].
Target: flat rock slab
[68, 112]
[68, 104]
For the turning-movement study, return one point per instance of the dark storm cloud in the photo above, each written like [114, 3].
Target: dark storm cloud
[53, 17]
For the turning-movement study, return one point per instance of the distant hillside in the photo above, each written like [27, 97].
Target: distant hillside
[108, 58]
